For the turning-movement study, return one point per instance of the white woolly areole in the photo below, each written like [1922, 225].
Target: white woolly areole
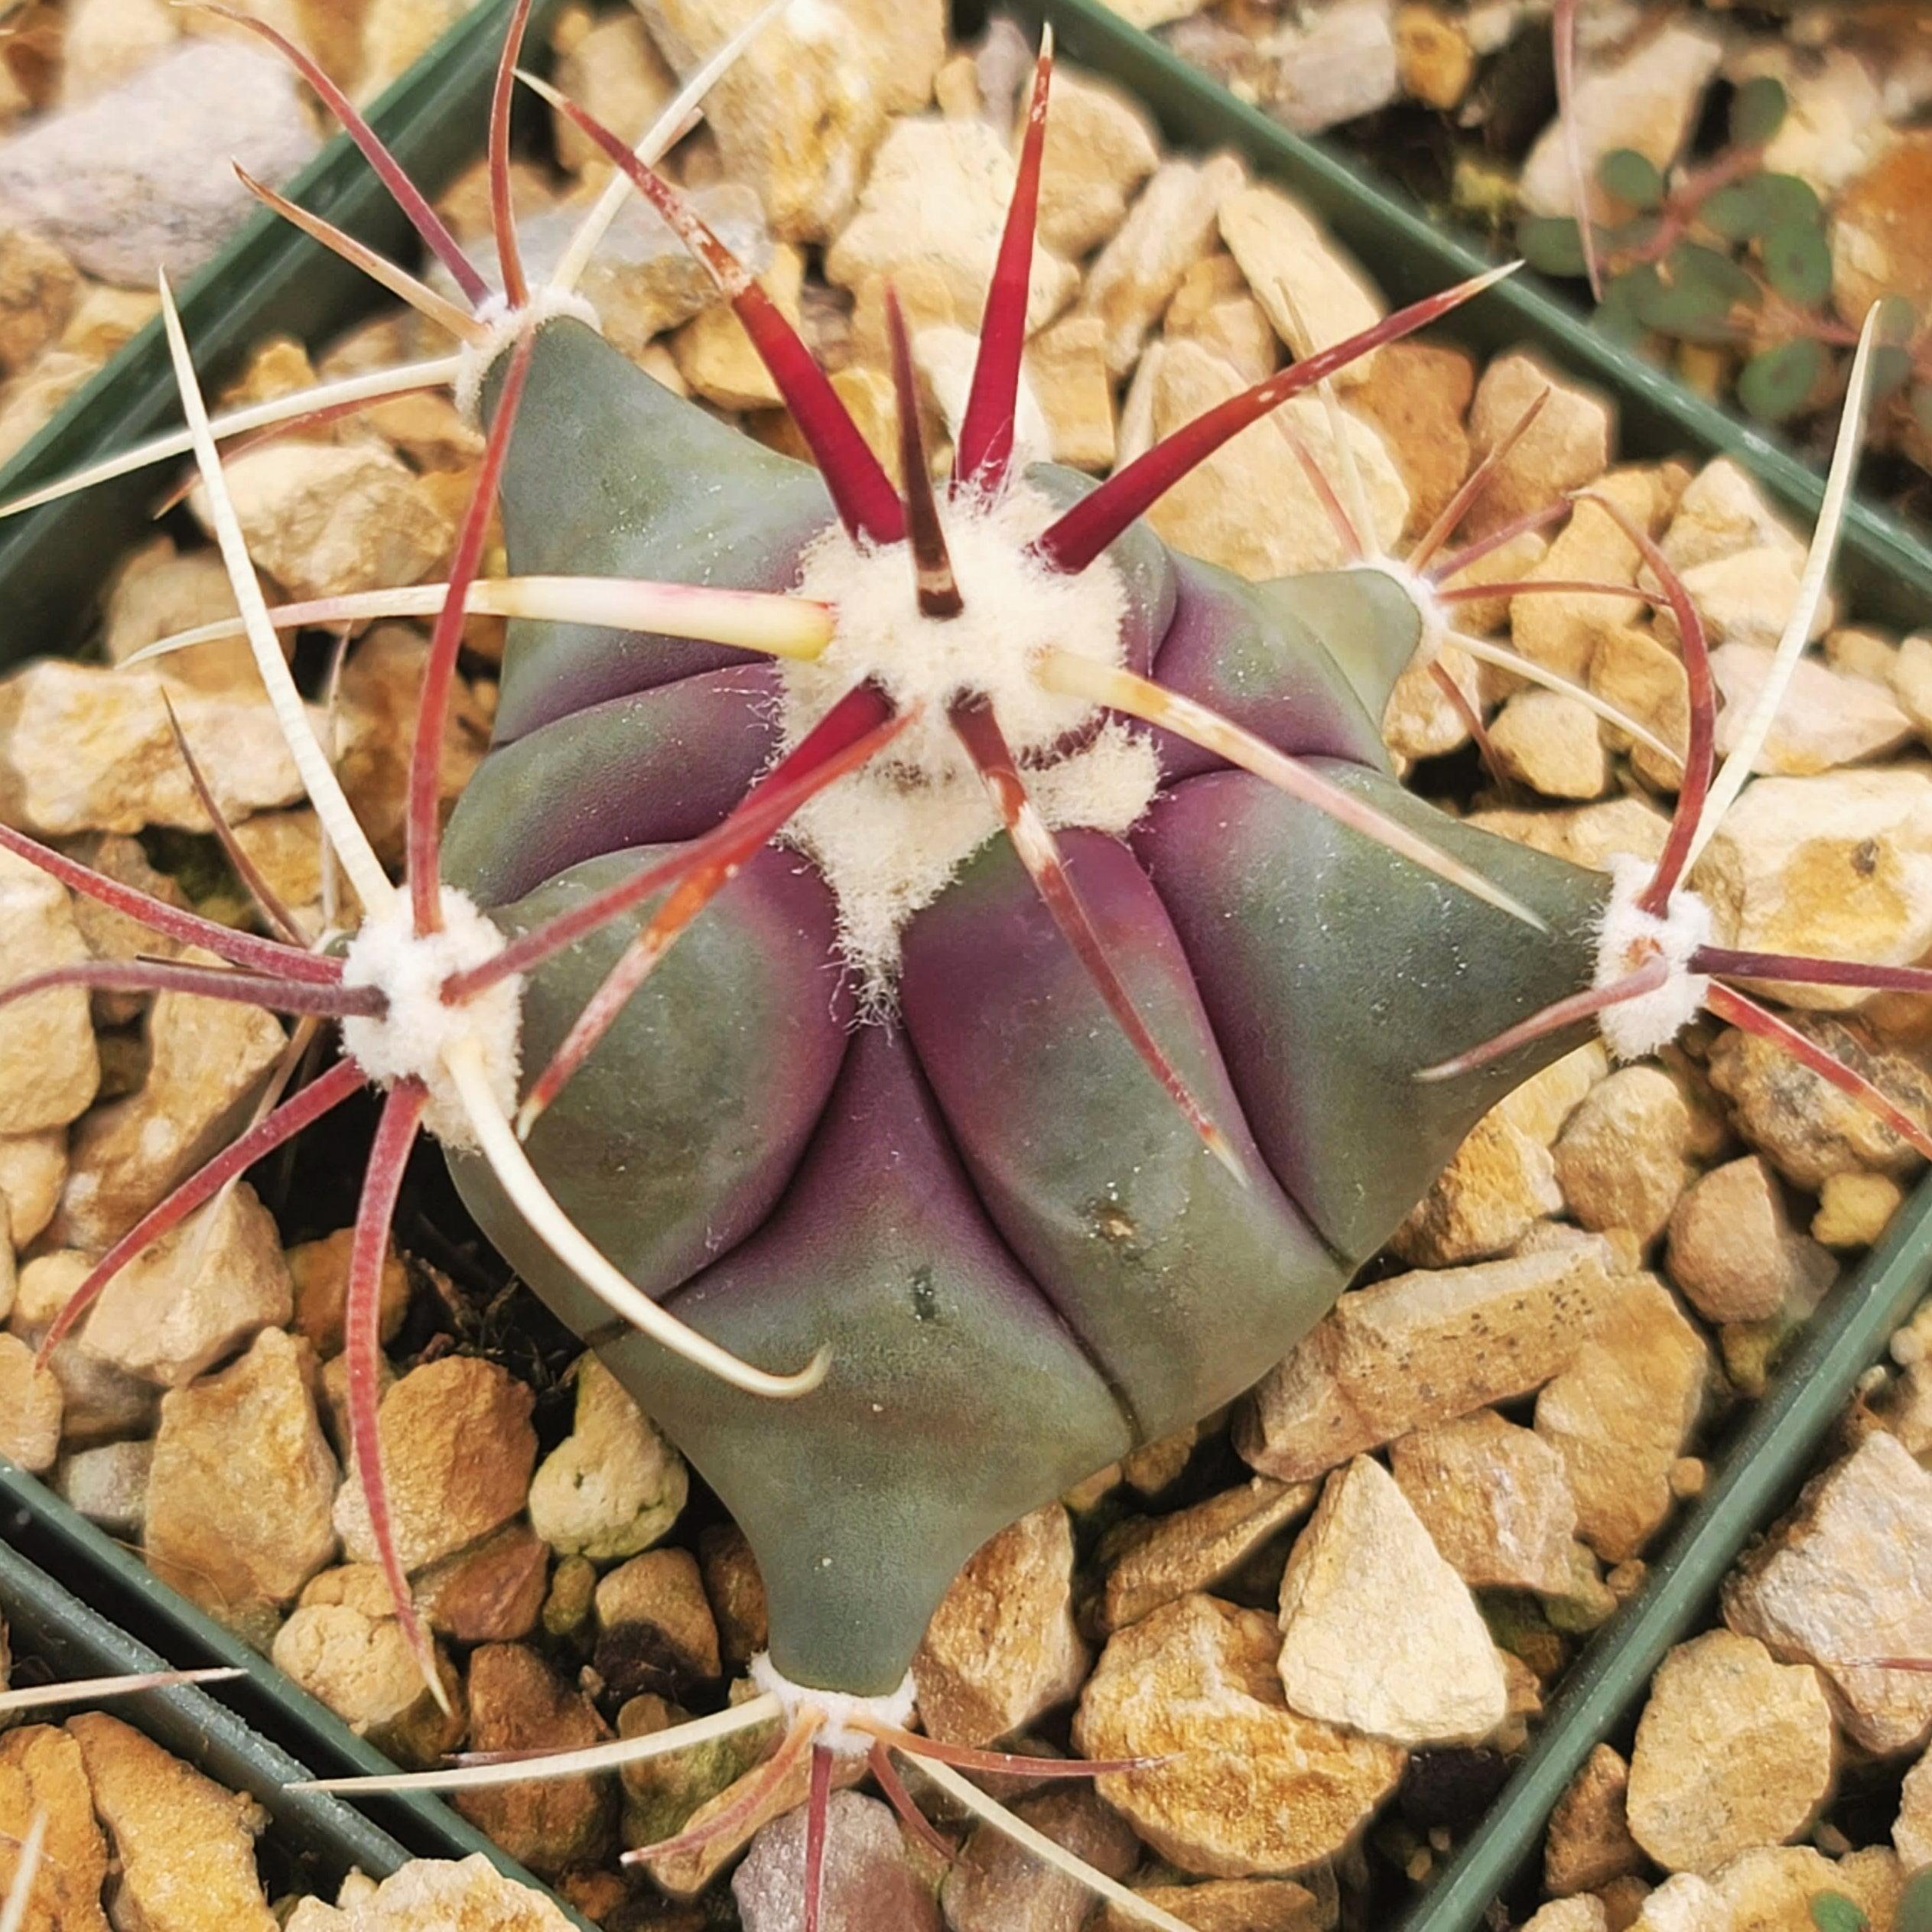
[837, 1708]
[476, 360]
[1628, 939]
[408, 1041]
[888, 837]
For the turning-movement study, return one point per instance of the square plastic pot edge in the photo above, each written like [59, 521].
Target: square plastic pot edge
[257, 1732]
[327, 1839]
[1884, 563]
[269, 279]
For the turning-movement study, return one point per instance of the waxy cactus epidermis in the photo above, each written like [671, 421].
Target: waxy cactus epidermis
[1023, 1257]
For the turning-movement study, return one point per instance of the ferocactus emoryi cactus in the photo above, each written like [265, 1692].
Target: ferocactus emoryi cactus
[1065, 999]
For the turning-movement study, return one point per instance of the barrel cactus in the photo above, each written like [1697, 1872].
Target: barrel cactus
[1066, 998]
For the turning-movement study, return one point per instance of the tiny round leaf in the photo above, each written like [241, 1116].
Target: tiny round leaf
[1630, 176]
[1740, 213]
[1550, 244]
[1756, 111]
[1797, 264]
[1778, 383]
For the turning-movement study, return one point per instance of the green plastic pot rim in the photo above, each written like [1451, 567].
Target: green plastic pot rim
[328, 1838]
[1884, 563]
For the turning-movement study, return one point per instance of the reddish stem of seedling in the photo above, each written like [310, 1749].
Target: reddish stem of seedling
[330, 1090]
[761, 1787]
[1798, 969]
[1729, 1004]
[388, 1157]
[885, 1775]
[1077, 537]
[516, 289]
[938, 589]
[336, 1002]
[985, 445]
[264, 895]
[1458, 560]
[1474, 484]
[1552, 1019]
[1562, 25]
[1700, 751]
[857, 727]
[408, 196]
[243, 949]
[424, 832]
[978, 730]
[861, 492]
[818, 1804]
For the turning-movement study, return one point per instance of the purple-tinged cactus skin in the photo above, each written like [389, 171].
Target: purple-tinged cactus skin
[1023, 1257]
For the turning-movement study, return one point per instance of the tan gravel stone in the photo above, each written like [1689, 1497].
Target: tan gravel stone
[33, 1169]
[324, 519]
[39, 287]
[656, 1603]
[1733, 1750]
[354, 1657]
[1825, 719]
[108, 1485]
[995, 1885]
[458, 1451]
[1877, 247]
[158, 1319]
[239, 1490]
[1849, 1575]
[1001, 1648]
[1379, 1634]
[1101, 146]
[1065, 368]
[737, 1592]
[1420, 1348]
[1568, 445]
[840, 72]
[517, 1703]
[434, 1896]
[1839, 864]
[1313, 294]
[715, 356]
[1225, 1905]
[1770, 1888]
[186, 1847]
[491, 1593]
[1549, 742]
[614, 1486]
[1563, 629]
[41, 1773]
[1854, 1209]
[1417, 395]
[1194, 1548]
[1622, 1160]
[617, 76]
[1621, 1414]
[1171, 226]
[1911, 1833]
[937, 195]
[1589, 1845]
[29, 1408]
[318, 1276]
[1500, 1182]
[1213, 306]
[1804, 1125]
[49, 1069]
[1734, 1251]
[100, 1402]
[1208, 514]
[1721, 512]
[205, 1060]
[1250, 1789]
[1494, 1498]
[1580, 1914]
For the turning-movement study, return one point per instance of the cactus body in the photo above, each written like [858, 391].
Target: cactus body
[1022, 1255]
